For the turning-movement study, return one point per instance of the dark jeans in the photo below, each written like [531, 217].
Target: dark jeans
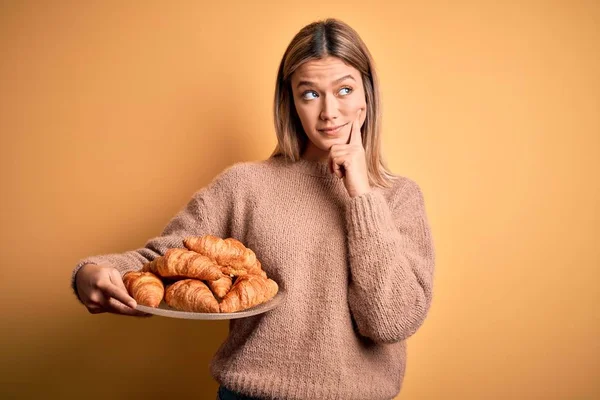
[226, 394]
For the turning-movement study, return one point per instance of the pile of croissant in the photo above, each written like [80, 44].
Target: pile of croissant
[209, 275]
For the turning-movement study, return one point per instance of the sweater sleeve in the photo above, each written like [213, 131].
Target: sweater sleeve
[392, 261]
[207, 212]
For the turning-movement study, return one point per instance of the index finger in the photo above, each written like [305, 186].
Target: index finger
[115, 278]
[355, 135]
[120, 294]
[116, 307]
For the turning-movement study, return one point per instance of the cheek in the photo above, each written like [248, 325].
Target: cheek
[355, 103]
[306, 115]
[300, 112]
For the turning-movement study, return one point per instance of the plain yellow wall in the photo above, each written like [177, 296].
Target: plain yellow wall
[113, 113]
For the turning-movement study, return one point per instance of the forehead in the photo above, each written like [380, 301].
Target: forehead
[326, 69]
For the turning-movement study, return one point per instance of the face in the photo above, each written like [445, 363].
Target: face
[327, 94]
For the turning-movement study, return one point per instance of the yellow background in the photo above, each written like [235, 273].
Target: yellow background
[113, 113]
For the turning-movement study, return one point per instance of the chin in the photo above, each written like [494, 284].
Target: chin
[337, 139]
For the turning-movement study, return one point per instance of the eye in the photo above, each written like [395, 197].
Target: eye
[306, 94]
[346, 90]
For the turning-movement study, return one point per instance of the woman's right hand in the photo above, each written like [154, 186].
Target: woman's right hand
[101, 289]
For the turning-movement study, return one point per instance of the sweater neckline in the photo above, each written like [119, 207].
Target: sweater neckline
[318, 168]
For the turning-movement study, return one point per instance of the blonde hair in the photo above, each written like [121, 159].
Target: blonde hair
[317, 40]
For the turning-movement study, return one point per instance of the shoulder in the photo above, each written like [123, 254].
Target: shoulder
[243, 174]
[248, 169]
[403, 189]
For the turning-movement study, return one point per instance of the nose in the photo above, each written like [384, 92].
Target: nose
[329, 108]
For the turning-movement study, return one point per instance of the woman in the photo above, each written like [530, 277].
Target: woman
[348, 242]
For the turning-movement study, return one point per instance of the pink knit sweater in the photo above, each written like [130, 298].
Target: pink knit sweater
[357, 274]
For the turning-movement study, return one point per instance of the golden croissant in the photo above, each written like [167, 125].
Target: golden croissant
[191, 295]
[182, 263]
[221, 286]
[234, 258]
[248, 291]
[145, 287]
[233, 270]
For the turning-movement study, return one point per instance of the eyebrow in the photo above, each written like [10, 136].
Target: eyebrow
[309, 83]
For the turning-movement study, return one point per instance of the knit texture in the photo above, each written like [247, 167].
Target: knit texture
[357, 274]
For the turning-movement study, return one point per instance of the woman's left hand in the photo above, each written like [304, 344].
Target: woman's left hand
[348, 161]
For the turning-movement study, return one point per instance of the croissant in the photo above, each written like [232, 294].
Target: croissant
[220, 250]
[248, 291]
[237, 271]
[191, 295]
[145, 287]
[182, 263]
[231, 254]
[221, 286]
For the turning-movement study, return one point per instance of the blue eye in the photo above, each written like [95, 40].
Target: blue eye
[309, 92]
[349, 90]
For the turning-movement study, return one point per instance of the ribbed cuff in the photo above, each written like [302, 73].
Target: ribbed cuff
[74, 276]
[367, 214]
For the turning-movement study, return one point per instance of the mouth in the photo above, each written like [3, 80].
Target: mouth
[333, 130]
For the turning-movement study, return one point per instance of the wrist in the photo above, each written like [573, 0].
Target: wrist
[360, 192]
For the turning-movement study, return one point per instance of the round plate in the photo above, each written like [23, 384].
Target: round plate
[165, 311]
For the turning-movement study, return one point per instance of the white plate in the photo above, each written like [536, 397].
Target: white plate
[165, 311]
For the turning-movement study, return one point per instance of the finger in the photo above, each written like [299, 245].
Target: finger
[116, 307]
[341, 152]
[337, 170]
[332, 166]
[111, 290]
[96, 297]
[337, 167]
[331, 163]
[115, 278]
[95, 309]
[355, 136]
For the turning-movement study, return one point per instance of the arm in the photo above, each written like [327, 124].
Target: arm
[391, 263]
[208, 211]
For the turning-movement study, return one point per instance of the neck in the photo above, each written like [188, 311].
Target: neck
[314, 154]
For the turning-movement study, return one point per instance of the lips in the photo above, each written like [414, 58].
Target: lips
[332, 129]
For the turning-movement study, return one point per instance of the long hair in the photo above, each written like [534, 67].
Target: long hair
[330, 37]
